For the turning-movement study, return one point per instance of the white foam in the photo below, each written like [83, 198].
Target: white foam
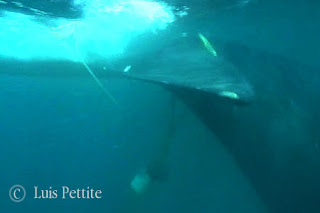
[104, 31]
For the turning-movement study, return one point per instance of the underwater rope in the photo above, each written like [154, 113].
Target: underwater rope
[95, 78]
[69, 33]
[99, 83]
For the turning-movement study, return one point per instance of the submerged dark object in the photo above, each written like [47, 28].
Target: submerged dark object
[253, 134]
[213, 75]
[186, 63]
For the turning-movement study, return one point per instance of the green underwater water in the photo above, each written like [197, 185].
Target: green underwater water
[203, 153]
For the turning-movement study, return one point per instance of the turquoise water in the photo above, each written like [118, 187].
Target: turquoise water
[192, 150]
